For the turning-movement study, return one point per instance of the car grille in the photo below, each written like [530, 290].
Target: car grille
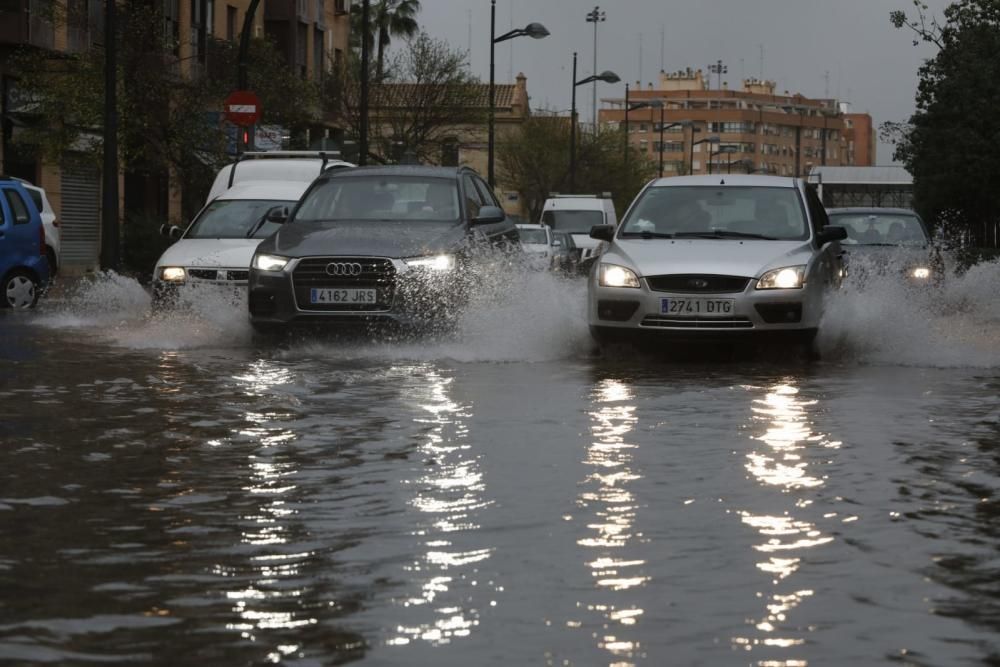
[691, 283]
[230, 275]
[375, 272]
[664, 322]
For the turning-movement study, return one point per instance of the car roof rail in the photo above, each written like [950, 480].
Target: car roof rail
[325, 156]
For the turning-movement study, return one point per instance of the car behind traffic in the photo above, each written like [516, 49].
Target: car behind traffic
[882, 241]
[24, 269]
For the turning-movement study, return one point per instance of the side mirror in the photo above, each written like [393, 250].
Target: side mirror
[829, 234]
[556, 243]
[489, 215]
[171, 231]
[602, 232]
[278, 214]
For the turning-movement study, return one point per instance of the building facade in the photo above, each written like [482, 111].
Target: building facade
[752, 129]
[313, 36]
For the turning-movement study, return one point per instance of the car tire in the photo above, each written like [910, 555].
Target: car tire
[20, 290]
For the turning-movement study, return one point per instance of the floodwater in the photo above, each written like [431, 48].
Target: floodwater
[172, 494]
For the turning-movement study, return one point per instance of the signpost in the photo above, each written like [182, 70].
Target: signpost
[242, 108]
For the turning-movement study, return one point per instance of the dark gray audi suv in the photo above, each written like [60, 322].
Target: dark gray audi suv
[397, 245]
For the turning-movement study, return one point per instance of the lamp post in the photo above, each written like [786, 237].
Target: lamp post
[608, 77]
[596, 16]
[533, 30]
[714, 139]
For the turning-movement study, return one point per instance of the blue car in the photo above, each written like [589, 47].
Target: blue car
[23, 266]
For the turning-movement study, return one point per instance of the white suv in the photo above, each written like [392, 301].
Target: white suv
[215, 249]
[49, 222]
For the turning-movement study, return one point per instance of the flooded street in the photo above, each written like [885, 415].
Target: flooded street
[171, 493]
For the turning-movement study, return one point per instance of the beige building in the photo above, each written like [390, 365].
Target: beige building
[752, 129]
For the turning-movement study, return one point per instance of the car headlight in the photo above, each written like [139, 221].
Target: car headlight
[920, 272]
[789, 277]
[269, 262]
[612, 275]
[432, 262]
[172, 274]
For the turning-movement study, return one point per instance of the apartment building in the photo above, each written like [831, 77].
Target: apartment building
[311, 34]
[720, 130]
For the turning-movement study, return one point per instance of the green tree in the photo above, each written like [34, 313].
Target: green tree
[535, 162]
[945, 144]
[387, 19]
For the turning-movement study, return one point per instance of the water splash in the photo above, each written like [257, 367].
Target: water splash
[890, 320]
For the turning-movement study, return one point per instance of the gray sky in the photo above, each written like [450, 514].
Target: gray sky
[870, 63]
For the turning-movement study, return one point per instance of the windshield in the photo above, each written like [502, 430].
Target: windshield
[373, 197]
[233, 218]
[533, 236]
[575, 222]
[880, 228]
[717, 211]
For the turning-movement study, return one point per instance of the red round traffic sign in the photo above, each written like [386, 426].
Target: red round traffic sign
[242, 107]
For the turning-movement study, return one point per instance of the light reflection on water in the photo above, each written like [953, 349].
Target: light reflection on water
[611, 505]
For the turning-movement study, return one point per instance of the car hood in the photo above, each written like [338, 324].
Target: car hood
[370, 238]
[708, 256]
[231, 253]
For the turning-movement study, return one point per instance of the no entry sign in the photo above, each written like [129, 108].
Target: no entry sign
[242, 108]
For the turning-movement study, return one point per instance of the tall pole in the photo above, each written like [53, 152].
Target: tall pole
[110, 237]
[365, 48]
[491, 176]
[595, 17]
[242, 80]
[625, 161]
[572, 133]
[662, 107]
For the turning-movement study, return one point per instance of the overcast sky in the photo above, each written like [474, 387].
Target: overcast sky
[844, 48]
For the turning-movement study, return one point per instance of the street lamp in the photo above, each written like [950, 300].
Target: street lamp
[596, 16]
[722, 149]
[606, 76]
[680, 123]
[714, 139]
[533, 30]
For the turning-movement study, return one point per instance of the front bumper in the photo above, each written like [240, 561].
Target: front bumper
[406, 297]
[618, 311]
[201, 284]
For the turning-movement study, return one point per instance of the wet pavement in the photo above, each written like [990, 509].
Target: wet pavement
[172, 494]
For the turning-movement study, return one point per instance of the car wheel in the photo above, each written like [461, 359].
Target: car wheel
[50, 255]
[20, 290]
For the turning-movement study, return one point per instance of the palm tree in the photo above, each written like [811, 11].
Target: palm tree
[388, 19]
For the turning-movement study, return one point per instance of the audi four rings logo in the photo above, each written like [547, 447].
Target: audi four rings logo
[700, 283]
[344, 269]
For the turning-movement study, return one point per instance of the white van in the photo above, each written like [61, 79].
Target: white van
[576, 214]
[216, 247]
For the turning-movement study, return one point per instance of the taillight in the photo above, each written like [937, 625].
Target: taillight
[41, 240]
[55, 223]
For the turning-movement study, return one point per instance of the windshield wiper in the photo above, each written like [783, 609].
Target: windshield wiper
[723, 234]
[646, 235]
[256, 226]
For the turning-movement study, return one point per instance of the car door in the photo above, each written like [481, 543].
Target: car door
[19, 237]
[828, 262]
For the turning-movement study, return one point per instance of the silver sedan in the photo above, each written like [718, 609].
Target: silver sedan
[701, 257]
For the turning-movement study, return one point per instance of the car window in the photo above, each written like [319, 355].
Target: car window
[233, 218]
[36, 196]
[486, 193]
[18, 207]
[712, 210]
[473, 198]
[534, 236]
[574, 222]
[374, 197]
[816, 210]
[865, 228]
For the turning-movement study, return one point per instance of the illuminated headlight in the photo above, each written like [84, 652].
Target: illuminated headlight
[269, 262]
[920, 272]
[172, 274]
[433, 262]
[790, 277]
[612, 275]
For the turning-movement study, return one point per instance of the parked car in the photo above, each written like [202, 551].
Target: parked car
[215, 250]
[23, 265]
[565, 254]
[49, 222]
[536, 242]
[394, 245]
[577, 214]
[880, 240]
[707, 256]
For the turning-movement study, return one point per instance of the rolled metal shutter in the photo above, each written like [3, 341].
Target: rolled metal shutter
[80, 217]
